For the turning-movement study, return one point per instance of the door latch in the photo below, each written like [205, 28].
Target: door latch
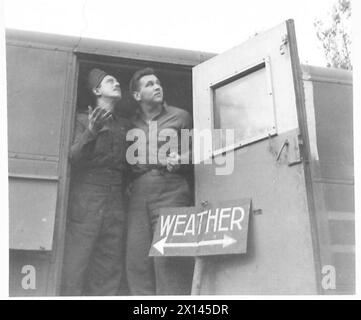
[285, 144]
[257, 212]
[294, 153]
[292, 147]
[283, 45]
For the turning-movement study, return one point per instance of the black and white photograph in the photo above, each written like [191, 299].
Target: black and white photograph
[178, 149]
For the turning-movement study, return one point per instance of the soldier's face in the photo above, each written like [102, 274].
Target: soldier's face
[109, 87]
[150, 90]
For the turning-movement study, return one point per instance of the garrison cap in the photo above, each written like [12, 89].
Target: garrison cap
[95, 77]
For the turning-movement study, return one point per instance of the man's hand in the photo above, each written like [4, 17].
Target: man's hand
[97, 118]
[173, 162]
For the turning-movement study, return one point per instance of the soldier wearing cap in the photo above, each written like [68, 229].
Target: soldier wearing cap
[94, 245]
[157, 184]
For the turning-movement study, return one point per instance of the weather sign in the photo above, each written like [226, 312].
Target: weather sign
[189, 231]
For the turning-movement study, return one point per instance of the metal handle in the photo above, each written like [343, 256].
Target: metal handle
[283, 45]
[293, 151]
[286, 143]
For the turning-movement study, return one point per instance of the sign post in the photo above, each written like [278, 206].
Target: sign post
[189, 231]
[197, 275]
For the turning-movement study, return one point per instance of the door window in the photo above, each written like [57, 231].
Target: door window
[244, 103]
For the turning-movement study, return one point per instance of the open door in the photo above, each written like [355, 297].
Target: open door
[255, 89]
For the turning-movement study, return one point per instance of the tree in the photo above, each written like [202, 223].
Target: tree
[335, 35]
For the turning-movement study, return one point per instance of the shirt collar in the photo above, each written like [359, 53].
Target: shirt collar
[139, 113]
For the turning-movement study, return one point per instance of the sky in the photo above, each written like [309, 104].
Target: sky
[202, 25]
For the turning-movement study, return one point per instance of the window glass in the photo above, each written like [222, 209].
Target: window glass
[244, 105]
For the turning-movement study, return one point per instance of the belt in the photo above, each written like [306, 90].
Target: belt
[106, 187]
[157, 172]
[106, 177]
[152, 172]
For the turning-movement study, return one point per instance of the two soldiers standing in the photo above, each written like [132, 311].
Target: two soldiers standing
[107, 241]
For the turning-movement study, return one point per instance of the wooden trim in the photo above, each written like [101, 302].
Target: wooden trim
[33, 177]
[244, 143]
[54, 279]
[238, 74]
[322, 222]
[327, 75]
[38, 46]
[341, 216]
[29, 156]
[305, 150]
[132, 63]
[338, 248]
[197, 275]
[334, 181]
[327, 80]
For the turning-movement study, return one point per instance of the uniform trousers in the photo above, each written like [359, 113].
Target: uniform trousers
[160, 275]
[94, 255]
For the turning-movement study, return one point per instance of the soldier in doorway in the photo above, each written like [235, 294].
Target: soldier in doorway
[157, 184]
[94, 256]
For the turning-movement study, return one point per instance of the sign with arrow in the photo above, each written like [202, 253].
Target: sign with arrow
[190, 231]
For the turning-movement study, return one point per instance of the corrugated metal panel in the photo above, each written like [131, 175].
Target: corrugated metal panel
[330, 118]
[36, 81]
[32, 213]
[342, 232]
[345, 273]
[333, 108]
[19, 262]
[339, 197]
[33, 168]
[36, 84]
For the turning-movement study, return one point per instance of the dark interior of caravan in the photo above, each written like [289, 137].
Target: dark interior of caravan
[176, 81]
